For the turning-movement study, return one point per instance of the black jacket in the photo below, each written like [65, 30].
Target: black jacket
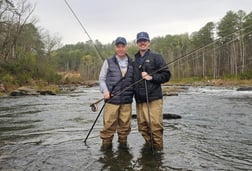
[151, 63]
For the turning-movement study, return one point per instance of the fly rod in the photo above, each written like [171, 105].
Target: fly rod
[94, 105]
[83, 28]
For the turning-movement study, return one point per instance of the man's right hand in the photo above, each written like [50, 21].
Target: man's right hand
[106, 95]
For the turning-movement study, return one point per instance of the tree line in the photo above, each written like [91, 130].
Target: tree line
[28, 52]
[217, 50]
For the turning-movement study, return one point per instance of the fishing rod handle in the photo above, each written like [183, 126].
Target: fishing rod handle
[96, 102]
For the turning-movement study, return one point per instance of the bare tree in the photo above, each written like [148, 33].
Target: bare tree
[50, 42]
[13, 19]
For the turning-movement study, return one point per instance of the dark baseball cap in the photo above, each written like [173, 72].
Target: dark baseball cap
[120, 40]
[143, 36]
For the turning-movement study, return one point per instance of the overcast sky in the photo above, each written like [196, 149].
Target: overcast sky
[106, 19]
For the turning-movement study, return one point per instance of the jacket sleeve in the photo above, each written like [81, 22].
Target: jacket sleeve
[164, 74]
[102, 77]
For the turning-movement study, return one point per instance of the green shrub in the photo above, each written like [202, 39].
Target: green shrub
[52, 77]
[7, 78]
[246, 75]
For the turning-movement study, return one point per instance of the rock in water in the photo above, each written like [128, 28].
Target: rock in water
[244, 89]
[165, 116]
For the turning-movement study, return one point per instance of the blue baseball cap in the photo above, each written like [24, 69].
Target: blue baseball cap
[120, 40]
[142, 36]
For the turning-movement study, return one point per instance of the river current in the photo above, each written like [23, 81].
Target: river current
[47, 133]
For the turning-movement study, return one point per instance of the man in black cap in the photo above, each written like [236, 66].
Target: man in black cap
[149, 110]
[116, 74]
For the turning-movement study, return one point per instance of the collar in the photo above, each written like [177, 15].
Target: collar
[138, 55]
[125, 58]
[116, 58]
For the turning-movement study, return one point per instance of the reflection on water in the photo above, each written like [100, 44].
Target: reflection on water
[149, 160]
[122, 159]
[116, 160]
[47, 133]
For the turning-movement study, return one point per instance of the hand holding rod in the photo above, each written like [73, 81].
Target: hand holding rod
[94, 106]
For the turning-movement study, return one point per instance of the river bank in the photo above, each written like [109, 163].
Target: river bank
[39, 87]
[212, 82]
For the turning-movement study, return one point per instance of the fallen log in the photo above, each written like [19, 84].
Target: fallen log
[165, 116]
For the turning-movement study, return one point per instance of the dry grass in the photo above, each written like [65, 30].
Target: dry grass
[219, 82]
[70, 77]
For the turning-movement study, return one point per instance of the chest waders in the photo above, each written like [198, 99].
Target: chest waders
[94, 107]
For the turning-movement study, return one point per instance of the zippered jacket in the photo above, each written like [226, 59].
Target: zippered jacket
[150, 62]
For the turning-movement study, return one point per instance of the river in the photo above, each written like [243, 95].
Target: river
[47, 133]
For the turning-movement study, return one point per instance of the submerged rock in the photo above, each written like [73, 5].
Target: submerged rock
[47, 92]
[170, 94]
[165, 116]
[244, 89]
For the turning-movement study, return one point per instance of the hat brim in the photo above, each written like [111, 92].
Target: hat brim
[123, 43]
[142, 39]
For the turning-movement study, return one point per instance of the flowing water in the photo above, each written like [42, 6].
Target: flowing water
[47, 133]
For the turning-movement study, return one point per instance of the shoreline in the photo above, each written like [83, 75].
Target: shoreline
[170, 87]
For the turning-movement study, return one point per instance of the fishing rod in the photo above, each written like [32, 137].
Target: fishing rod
[94, 106]
[97, 117]
[83, 28]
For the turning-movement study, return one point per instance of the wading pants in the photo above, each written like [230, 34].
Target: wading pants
[116, 117]
[156, 117]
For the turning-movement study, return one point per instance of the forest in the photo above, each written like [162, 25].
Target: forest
[28, 53]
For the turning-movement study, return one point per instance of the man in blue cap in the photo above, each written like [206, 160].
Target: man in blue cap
[116, 74]
[149, 110]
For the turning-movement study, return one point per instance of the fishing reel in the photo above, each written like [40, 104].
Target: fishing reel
[94, 107]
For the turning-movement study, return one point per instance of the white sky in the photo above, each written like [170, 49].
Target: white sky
[107, 19]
